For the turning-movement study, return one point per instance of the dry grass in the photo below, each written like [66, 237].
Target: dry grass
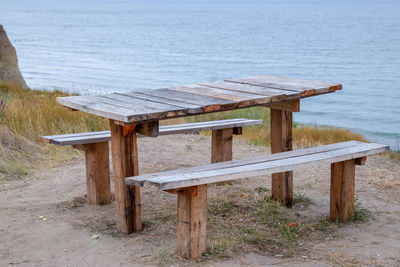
[303, 135]
[395, 155]
[25, 115]
[33, 113]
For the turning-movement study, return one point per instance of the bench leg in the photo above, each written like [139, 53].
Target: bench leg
[125, 164]
[221, 145]
[281, 140]
[342, 190]
[98, 173]
[192, 221]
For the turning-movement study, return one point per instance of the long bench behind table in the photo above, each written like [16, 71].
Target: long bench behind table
[190, 184]
[95, 146]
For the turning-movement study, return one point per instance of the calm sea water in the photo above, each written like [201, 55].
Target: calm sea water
[89, 46]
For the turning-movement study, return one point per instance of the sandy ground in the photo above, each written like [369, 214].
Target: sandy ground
[65, 238]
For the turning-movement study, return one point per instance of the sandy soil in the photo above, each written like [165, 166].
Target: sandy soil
[65, 238]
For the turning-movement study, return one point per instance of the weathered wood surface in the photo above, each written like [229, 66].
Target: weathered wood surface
[291, 105]
[282, 162]
[221, 145]
[252, 160]
[105, 136]
[97, 172]
[125, 164]
[342, 190]
[192, 221]
[143, 105]
[281, 141]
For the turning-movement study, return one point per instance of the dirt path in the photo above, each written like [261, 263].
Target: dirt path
[65, 237]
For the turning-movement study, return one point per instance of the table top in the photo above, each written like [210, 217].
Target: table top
[144, 105]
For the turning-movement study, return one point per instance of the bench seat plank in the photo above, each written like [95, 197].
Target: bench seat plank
[104, 136]
[252, 160]
[285, 161]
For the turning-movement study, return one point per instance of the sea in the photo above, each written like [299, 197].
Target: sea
[104, 46]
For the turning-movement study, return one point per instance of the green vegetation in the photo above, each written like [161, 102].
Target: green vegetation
[360, 213]
[301, 198]
[323, 224]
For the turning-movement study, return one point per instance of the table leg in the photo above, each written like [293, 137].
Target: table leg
[281, 140]
[125, 164]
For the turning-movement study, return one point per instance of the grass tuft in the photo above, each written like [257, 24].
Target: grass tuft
[360, 213]
[323, 224]
[301, 198]
[273, 214]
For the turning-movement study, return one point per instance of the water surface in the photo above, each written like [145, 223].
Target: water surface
[89, 46]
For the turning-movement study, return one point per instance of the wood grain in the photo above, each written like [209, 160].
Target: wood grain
[97, 172]
[149, 129]
[292, 106]
[142, 105]
[125, 164]
[276, 94]
[342, 190]
[221, 145]
[250, 161]
[281, 141]
[192, 221]
[251, 167]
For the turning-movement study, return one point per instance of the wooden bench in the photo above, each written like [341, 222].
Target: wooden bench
[190, 184]
[95, 146]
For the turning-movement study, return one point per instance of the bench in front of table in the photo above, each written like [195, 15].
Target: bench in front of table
[190, 184]
[95, 146]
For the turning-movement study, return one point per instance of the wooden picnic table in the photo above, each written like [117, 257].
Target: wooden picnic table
[139, 111]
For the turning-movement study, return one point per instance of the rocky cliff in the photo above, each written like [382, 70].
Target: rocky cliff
[9, 70]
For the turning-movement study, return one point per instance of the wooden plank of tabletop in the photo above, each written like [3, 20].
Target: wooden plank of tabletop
[306, 87]
[241, 99]
[146, 106]
[320, 88]
[332, 86]
[111, 106]
[154, 110]
[191, 108]
[210, 104]
[276, 94]
[93, 106]
[303, 90]
[196, 98]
